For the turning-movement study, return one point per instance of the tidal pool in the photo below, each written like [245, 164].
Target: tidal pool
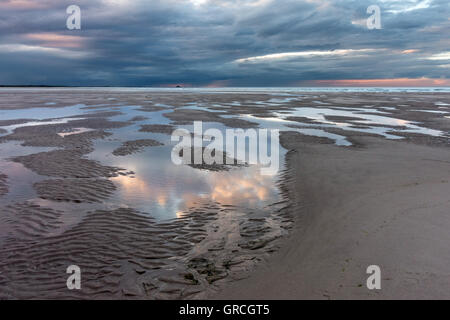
[157, 187]
[165, 190]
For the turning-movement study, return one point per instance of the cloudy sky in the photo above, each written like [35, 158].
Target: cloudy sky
[225, 43]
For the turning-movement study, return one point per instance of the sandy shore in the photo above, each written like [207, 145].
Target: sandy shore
[385, 204]
[338, 209]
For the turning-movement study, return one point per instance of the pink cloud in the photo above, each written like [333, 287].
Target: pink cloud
[22, 4]
[56, 40]
[218, 84]
[396, 82]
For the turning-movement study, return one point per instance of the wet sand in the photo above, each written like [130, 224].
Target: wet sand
[374, 201]
[130, 147]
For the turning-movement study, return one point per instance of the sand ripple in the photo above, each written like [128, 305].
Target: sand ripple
[131, 147]
[157, 128]
[66, 164]
[3, 185]
[125, 254]
[25, 221]
[121, 254]
[75, 190]
[47, 135]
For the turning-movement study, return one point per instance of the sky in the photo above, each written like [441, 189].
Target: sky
[225, 43]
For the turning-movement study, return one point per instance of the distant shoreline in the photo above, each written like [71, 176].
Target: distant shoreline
[200, 87]
[227, 90]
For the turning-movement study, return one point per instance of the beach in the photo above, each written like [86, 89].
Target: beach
[86, 179]
[386, 204]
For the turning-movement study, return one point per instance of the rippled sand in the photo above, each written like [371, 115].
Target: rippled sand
[104, 195]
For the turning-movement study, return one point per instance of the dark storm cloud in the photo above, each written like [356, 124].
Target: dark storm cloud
[201, 42]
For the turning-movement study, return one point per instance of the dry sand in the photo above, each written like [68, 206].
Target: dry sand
[385, 204]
